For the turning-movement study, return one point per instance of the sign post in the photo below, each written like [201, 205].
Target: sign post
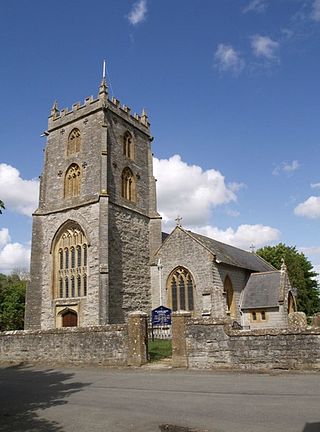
[161, 316]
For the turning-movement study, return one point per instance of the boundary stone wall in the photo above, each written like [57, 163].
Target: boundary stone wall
[110, 345]
[213, 344]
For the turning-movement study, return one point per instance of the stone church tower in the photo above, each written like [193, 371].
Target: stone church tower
[97, 226]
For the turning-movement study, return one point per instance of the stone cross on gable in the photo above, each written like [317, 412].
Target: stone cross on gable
[252, 248]
[178, 220]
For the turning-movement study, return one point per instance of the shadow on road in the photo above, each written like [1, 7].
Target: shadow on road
[312, 427]
[25, 391]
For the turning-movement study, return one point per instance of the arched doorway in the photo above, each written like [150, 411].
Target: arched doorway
[230, 298]
[69, 319]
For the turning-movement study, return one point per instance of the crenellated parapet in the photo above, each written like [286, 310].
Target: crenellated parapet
[101, 102]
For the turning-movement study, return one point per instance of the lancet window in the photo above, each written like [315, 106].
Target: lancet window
[230, 298]
[128, 185]
[128, 146]
[180, 287]
[74, 142]
[72, 181]
[71, 264]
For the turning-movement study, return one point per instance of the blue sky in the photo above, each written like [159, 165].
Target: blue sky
[231, 90]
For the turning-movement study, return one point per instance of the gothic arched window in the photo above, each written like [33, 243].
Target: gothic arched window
[180, 286]
[230, 298]
[128, 190]
[74, 142]
[128, 147]
[72, 181]
[70, 268]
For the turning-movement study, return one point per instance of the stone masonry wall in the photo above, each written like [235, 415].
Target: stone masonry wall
[106, 345]
[212, 344]
[129, 272]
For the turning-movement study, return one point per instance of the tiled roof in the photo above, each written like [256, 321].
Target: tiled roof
[262, 290]
[233, 256]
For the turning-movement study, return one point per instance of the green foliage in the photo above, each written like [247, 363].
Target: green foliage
[2, 207]
[301, 274]
[159, 349]
[12, 299]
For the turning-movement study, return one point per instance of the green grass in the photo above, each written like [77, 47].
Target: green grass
[159, 349]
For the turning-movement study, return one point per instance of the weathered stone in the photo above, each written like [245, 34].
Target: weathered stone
[179, 349]
[137, 338]
[297, 320]
[316, 320]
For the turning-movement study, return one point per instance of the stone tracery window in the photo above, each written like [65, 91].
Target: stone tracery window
[128, 190]
[180, 287]
[70, 270]
[74, 142]
[72, 181]
[128, 146]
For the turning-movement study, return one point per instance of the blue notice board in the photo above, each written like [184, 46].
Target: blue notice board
[161, 316]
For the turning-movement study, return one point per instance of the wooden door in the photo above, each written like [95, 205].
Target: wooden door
[70, 319]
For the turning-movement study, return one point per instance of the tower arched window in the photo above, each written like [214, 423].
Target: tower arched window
[128, 190]
[74, 142]
[72, 181]
[128, 146]
[70, 263]
[180, 286]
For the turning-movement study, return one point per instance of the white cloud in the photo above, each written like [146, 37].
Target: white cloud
[309, 208]
[287, 167]
[315, 15]
[227, 59]
[244, 236]
[257, 6]
[138, 12]
[264, 46]
[18, 195]
[315, 185]
[189, 191]
[4, 236]
[12, 255]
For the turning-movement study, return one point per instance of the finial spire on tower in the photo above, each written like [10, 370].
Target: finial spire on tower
[103, 89]
[54, 109]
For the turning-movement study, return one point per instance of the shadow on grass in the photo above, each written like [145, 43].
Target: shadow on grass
[24, 391]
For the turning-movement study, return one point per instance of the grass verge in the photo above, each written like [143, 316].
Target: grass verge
[159, 349]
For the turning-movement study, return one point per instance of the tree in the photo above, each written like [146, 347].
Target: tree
[12, 300]
[2, 207]
[301, 274]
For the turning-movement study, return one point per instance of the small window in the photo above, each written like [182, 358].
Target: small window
[74, 142]
[67, 258]
[67, 287]
[254, 316]
[72, 181]
[128, 185]
[263, 315]
[78, 285]
[61, 287]
[128, 149]
[72, 287]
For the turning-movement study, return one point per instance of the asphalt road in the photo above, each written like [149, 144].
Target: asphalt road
[109, 400]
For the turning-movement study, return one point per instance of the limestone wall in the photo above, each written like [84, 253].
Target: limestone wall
[212, 344]
[106, 345]
[109, 345]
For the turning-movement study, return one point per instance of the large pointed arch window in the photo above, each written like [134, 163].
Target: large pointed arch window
[74, 142]
[128, 146]
[230, 298]
[180, 289]
[70, 270]
[72, 181]
[128, 187]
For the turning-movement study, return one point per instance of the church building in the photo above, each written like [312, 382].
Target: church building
[98, 252]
